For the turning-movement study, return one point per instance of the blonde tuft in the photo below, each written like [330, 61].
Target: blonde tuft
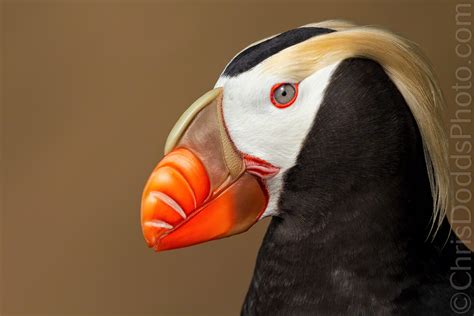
[407, 67]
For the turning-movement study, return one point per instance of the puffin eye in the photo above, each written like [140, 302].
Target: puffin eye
[284, 94]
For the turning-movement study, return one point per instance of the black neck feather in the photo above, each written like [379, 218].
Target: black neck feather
[355, 213]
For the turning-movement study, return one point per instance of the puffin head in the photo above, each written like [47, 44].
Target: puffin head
[227, 156]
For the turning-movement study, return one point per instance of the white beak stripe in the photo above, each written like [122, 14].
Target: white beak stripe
[170, 202]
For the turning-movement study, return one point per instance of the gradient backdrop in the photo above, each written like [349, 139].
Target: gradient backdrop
[90, 91]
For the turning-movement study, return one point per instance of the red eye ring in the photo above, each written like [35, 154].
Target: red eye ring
[286, 104]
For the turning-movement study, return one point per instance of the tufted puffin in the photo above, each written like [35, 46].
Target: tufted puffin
[334, 130]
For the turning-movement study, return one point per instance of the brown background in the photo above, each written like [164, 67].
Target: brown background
[90, 91]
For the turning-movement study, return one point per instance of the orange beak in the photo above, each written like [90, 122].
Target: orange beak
[200, 190]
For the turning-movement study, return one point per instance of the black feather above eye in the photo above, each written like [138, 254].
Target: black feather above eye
[254, 55]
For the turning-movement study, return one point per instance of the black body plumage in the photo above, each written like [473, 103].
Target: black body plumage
[356, 212]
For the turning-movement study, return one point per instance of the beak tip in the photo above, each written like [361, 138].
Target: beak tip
[151, 235]
[150, 241]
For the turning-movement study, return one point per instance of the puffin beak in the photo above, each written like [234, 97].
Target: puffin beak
[201, 189]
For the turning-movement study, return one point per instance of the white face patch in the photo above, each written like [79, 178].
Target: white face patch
[260, 129]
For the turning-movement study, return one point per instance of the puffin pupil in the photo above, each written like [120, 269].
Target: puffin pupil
[284, 93]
